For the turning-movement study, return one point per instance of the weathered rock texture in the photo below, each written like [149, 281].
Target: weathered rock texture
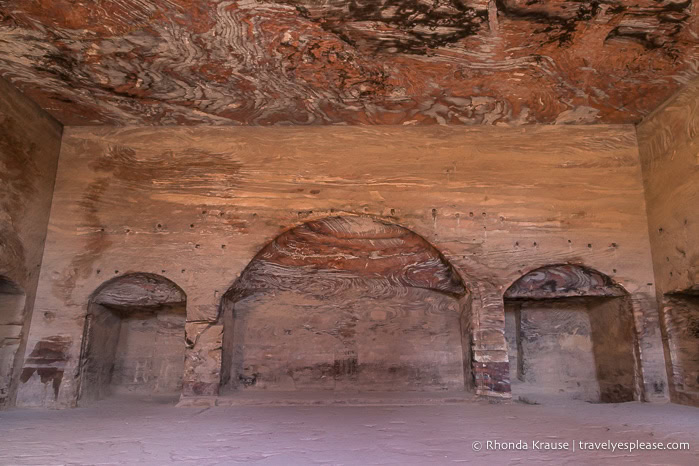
[347, 303]
[12, 303]
[197, 205]
[134, 338]
[669, 147]
[346, 341]
[348, 61]
[29, 145]
[570, 330]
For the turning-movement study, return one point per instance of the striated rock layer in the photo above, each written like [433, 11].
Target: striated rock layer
[348, 61]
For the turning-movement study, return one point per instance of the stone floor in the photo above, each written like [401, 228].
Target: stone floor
[128, 430]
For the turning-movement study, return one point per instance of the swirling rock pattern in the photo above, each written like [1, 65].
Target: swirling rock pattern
[560, 281]
[348, 61]
[138, 291]
[332, 255]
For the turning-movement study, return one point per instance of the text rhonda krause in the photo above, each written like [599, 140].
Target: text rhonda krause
[582, 445]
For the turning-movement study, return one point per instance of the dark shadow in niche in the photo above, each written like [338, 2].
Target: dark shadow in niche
[134, 338]
[681, 328]
[347, 304]
[570, 332]
[12, 300]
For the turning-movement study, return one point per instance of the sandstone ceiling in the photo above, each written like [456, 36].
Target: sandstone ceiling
[167, 62]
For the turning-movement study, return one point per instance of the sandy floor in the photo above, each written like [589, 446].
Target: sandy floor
[129, 431]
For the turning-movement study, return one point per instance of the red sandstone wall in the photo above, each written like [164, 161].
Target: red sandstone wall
[669, 148]
[29, 145]
[196, 204]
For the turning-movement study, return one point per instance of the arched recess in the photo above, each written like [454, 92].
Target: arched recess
[12, 300]
[570, 332]
[133, 340]
[681, 316]
[347, 303]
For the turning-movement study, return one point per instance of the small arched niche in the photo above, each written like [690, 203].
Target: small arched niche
[570, 332]
[134, 338]
[681, 311]
[11, 323]
[347, 304]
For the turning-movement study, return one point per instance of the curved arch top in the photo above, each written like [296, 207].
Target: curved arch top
[562, 281]
[138, 290]
[350, 248]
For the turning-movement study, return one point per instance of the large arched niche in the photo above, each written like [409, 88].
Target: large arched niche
[12, 300]
[570, 332]
[347, 303]
[681, 321]
[134, 339]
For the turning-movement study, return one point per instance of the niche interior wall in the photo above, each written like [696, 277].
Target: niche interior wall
[570, 332]
[195, 206]
[347, 303]
[133, 341]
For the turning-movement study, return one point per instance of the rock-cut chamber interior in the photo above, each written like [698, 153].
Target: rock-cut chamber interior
[134, 338]
[570, 332]
[11, 321]
[346, 304]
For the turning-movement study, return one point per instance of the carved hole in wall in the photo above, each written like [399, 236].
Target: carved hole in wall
[681, 314]
[570, 332]
[133, 338]
[11, 321]
[347, 304]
